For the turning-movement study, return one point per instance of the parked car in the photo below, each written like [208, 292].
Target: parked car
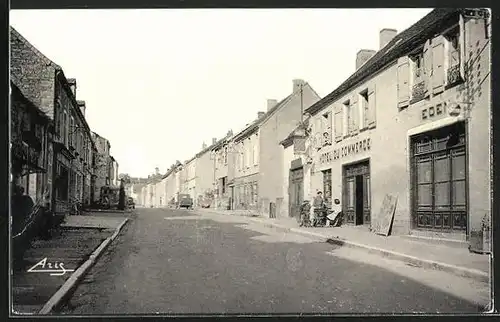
[131, 203]
[185, 201]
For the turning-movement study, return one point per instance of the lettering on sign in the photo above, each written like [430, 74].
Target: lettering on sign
[347, 150]
[432, 111]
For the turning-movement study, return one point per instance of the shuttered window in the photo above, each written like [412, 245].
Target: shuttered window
[438, 72]
[403, 82]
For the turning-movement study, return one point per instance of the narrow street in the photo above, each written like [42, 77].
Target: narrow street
[178, 261]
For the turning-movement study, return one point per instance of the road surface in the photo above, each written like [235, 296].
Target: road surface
[178, 261]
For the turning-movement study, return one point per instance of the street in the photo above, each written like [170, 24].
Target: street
[178, 261]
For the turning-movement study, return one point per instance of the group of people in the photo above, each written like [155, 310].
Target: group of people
[319, 214]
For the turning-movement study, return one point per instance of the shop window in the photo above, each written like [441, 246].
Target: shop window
[440, 180]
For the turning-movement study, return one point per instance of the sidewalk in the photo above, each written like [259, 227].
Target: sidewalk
[73, 245]
[429, 254]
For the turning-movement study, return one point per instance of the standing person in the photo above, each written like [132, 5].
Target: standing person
[318, 207]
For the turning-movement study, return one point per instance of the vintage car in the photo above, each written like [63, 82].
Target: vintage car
[185, 201]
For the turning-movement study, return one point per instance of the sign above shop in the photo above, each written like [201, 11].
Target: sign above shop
[347, 150]
[433, 111]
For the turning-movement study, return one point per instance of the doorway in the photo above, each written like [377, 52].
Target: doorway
[296, 191]
[356, 196]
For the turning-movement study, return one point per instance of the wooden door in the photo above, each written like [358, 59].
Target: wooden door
[296, 191]
[349, 200]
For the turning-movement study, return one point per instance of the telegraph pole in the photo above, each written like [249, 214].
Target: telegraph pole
[301, 104]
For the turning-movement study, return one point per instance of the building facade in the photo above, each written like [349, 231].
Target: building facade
[30, 131]
[188, 178]
[44, 84]
[244, 170]
[102, 161]
[280, 120]
[220, 151]
[413, 122]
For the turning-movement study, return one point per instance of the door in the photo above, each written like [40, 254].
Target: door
[296, 191]
[356, 193]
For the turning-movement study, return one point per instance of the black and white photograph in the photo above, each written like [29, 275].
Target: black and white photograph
[250, 161]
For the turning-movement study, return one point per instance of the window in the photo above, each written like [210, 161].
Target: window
[454, 68]
[418, 66]
[439, 199]
[327, 129]
[72, 131]
[65, 128]
[348, 121]
[364, 109]
[223, 184]
[255, 155]
[225, 155]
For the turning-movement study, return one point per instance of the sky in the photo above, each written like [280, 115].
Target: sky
[160, 83]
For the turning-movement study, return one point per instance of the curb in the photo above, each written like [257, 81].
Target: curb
[72, 282]
[471, 273]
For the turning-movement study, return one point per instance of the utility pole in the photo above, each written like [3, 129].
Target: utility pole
[301, 104]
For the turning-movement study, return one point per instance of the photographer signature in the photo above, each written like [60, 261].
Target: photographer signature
[56, 269]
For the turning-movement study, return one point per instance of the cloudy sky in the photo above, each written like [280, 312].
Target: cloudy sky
[159, 83]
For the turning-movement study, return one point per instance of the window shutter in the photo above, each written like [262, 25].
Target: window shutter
[403, 82]
[338, 121]
[437, 65]
[428, 67]
[371, 112]
[318, 132]
[461, 41]
[355, 114]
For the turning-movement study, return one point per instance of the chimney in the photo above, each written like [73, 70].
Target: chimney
[386, 35]
[229, 133]
[203, 146]
[72, 85]
[297, 83]
[271, 103]
[362, 57]
[81, 105]
[214, 140]
[260, 114]
[157, 171]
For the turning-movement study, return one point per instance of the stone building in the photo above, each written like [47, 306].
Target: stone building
[44, 84]
[30, 129]
[102, 160]
[205, 174]
[413, 121]
[220, 151]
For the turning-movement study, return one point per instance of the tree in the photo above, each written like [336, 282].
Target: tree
[121, 200]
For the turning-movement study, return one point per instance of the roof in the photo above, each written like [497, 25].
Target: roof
[398, 46]
[255, 124]
[17, 91]
[16, 35]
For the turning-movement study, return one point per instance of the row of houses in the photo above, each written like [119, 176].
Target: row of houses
[412, 122]
[55, 157]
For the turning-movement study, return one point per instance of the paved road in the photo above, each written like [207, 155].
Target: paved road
[175, 261]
